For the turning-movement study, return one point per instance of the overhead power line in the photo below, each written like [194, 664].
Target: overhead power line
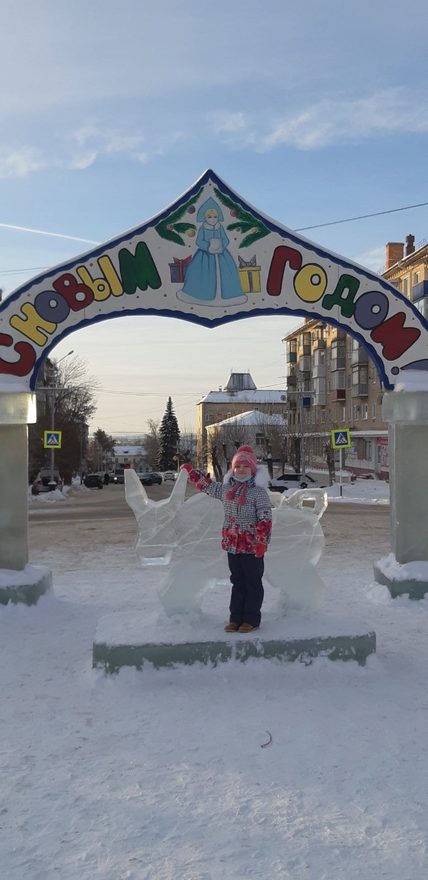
[361, 217]
[298, 229]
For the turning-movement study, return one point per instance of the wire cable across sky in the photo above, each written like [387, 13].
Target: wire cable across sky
[298, 229]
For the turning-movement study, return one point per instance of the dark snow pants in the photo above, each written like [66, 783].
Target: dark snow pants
[246, 572]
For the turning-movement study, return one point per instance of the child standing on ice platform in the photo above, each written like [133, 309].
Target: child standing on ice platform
[245, 534]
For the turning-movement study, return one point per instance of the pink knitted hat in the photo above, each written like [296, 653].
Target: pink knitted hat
[245, 455]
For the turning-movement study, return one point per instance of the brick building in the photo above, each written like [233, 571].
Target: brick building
[333, 383]
[239, 395]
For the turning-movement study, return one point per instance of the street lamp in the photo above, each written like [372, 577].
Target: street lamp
[53, 389]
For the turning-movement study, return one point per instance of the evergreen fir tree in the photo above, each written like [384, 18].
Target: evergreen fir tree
[169, 435]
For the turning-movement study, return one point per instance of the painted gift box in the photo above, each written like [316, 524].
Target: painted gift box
[178, 269]
[249, 274]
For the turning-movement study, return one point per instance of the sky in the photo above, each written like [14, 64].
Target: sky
[313, 114]
[164, 774]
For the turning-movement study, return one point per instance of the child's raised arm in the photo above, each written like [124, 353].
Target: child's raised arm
[202, 482]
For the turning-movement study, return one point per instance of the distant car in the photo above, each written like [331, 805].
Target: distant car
[93, 481]
[293, 481]
[119, 475]
[150, 478]
[46, 479]
[169, 475]
[38, 487]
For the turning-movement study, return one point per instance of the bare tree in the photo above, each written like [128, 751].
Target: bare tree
[152, 442]
[67, 391]
[268, 437]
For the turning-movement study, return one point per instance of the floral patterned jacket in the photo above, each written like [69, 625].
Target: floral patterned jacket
[247, 527]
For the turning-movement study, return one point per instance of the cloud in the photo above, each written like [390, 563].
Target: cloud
[373, 259]
[335, 121]
[227, 122]
[19, 162]
[92, 142]
[85, 146]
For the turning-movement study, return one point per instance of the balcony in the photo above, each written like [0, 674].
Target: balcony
[337, 363]
[338, 394]
[318, 363]
[305, 364]
[360, 390]
[291, 381]
[319, 398]
[318, 371]
[419, 291]
[292, 357]
[359, 355]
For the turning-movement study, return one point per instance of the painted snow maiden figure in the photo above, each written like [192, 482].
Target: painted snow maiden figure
[245, 534]
[212, 275]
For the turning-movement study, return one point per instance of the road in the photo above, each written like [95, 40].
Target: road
[351, 524]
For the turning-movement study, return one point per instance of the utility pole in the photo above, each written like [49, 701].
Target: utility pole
[302, 438]
[300, 395]
[53, 389]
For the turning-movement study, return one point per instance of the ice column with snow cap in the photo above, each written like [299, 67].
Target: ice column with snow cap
[19, 582]
[185, 536]
[405, 570]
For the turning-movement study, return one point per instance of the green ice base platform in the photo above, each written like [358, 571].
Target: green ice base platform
[24, 586]
[345, 647]
[414, 589]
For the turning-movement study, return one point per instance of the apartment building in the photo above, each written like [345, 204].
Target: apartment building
[238, 396]
[333, 383]
[407, 270]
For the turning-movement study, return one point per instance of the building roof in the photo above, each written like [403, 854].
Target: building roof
[260, 395]
[240, 382]
[129, 450]
[406, 260]
[251, 418]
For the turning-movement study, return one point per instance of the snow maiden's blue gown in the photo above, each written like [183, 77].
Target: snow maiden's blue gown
[212, 273]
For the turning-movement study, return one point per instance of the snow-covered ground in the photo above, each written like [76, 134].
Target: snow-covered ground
[165, 775]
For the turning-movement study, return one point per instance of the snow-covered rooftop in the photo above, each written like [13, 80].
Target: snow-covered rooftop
[260, 395]
[252, 417]
[129, 450]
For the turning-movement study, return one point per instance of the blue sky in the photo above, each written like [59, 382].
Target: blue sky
[110, 111]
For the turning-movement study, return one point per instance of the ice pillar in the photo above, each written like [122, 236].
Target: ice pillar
[406, 411]
[17, 410]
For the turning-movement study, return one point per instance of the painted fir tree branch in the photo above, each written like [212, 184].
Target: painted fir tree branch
[246, 222]
[171, 220]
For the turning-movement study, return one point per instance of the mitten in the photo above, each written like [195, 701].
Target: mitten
[263, 531]
[196, 477]
[261, 548]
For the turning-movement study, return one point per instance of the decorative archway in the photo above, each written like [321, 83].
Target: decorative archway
[208, 258]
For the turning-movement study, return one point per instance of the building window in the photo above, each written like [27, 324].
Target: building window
[415, 277]
[405, 287]
[374, 409]
[365, 411]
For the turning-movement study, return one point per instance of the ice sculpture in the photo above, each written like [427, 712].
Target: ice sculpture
[185, 536]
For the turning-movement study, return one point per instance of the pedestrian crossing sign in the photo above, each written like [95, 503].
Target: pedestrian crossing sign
[341, 439]
[52, 439]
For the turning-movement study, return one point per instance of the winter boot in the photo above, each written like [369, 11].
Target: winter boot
[246, 628]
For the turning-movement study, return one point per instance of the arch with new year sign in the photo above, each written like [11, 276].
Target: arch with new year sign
[209, 258]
